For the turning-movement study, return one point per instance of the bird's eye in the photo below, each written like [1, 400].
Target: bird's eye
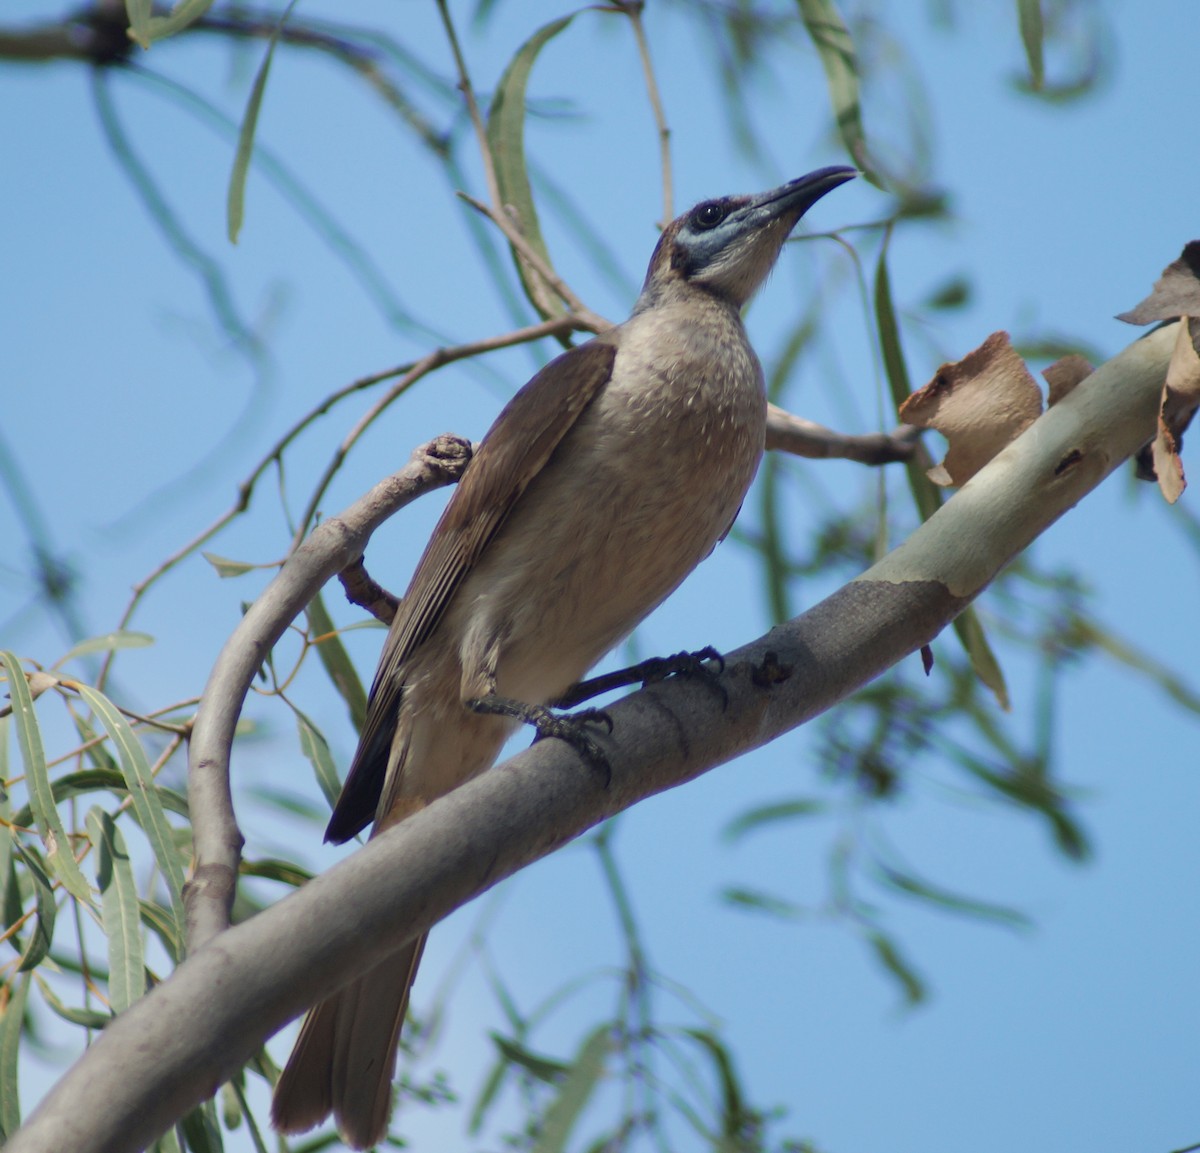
[709, 215]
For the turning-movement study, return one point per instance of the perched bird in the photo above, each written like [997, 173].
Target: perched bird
[601, 485]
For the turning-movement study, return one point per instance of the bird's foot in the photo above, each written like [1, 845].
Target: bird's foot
[569, 727]
[648, 672]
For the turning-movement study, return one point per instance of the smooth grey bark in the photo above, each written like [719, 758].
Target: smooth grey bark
[175, 1046]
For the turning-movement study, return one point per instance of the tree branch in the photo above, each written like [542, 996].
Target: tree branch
[173, 1047]
[793, 434]
[216, 839]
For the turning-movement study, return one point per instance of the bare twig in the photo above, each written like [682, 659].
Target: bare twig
[363, 590]
[633, 9]
[216, 839]
[468, 91]
[793, 434]
[584, 316]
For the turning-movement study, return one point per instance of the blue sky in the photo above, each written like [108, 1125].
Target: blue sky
[1077, 1035]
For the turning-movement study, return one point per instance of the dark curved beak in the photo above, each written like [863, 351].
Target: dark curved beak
[797, 196]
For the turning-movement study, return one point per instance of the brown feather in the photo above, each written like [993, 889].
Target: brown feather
[514, 451]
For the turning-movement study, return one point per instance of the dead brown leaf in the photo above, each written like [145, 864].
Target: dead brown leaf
[1176, 293]
[979, 404]
[1180, 398]
[1064, 374]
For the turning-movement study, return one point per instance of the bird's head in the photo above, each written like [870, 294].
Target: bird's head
[728, 246]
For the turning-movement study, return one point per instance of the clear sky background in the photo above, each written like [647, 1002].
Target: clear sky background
[131, 419]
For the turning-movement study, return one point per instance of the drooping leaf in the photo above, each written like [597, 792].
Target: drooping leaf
[835, 46]
[73, 1014]
[269, 869]
[987, 668]
[236, 199]
[59, 853]
[107, 643]
[227, 568]
[506, 142]
[762, 902]
[316, 751]
[120, 911]
[336, 662]
[12, 1018]
[544, 1068]
[1029, 17]
[577, 1087]
[733, 1102]
[41, 936]
[888, 954]
[147, 805]
[756, 818]
[923, 890]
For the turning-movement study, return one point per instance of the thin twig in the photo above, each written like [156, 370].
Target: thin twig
[584, 316]
[633, 9]
[793, 434]
[465, 87]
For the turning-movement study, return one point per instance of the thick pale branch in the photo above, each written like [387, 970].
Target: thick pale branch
[172, 1048]
[337, 542]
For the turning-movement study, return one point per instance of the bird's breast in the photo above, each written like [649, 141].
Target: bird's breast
[635, 496]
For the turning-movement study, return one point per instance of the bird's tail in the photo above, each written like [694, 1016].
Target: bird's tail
[345, 1056]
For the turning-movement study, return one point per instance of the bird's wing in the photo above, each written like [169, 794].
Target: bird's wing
[513, 452]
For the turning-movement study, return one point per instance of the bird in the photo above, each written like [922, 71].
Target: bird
[604, 481]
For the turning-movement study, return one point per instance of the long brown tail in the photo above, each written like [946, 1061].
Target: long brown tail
[345, 1056]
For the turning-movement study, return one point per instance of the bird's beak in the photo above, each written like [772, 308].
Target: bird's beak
[797, 196]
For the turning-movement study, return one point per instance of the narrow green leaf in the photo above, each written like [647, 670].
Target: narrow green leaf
[147, 805]
[109, 642]
[834, 45]
[7, 832]
[272, 870]
[491, 1087]
[733, 1107]
[46, 909]
[87, 781]
[581, 1080]
[162, 924]
[227, 568]
[336, 662]
[139, 14]
[954, 902]
[184, 13]
[201, 1133]
[11, 1024]
[761, 815]
[893, 961]
[506, 142]
[925, 493]
[167, 1143]
[76, 1015]
[236, 199]
[543, 1068]
[761, 902]
[59, 854]
[316, 750]
[120, 911]
[1029, 16]
[969, 630]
